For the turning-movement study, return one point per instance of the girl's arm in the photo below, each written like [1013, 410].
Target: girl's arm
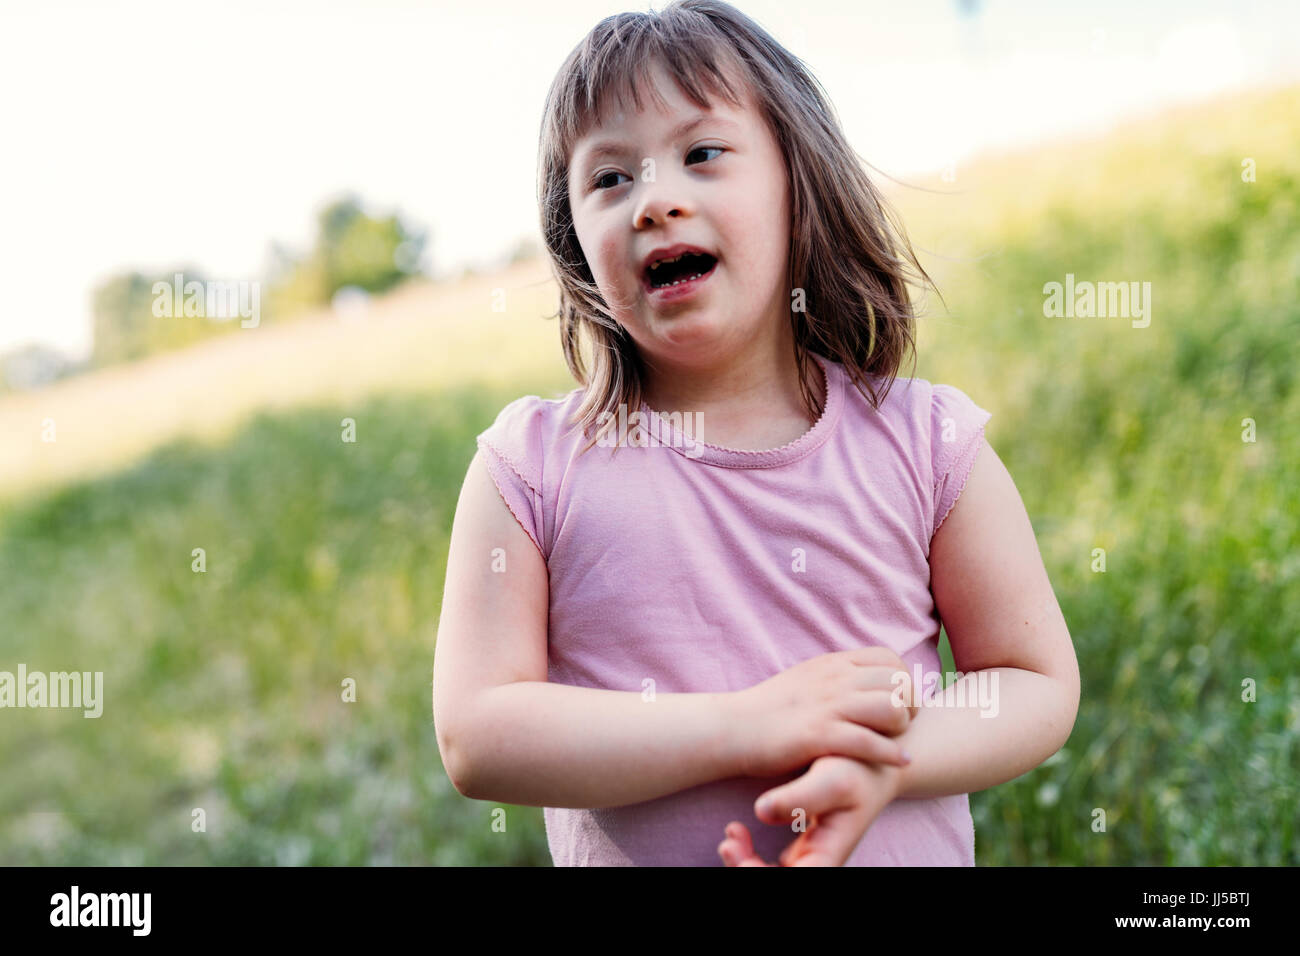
[508, 735]
[1009, 640]
[505, 734]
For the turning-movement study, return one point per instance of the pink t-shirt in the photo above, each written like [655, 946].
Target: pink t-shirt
[709, 569]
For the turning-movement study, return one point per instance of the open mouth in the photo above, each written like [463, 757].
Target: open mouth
[679, 271]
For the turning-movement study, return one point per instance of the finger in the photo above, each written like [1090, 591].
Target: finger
[796, 848]
[878, 710]
[830, 843]
[731, 853]
[738, 849]
[738, 836]
[825, 787]
[903, 692]
[730, 849]
[879, 677]
[890, 677]
[873, 655]
[887, 678]
[738, 833]
[862, 743]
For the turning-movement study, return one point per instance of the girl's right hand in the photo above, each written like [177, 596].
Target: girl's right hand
[840, 703]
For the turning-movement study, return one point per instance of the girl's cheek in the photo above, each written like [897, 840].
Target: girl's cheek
[609, 250]
[611, 266]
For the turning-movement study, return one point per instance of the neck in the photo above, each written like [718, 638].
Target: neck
[733, 394]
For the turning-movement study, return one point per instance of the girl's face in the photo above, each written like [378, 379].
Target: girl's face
[720, 186]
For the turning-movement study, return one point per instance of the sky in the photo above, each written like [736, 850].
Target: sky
[167, 136]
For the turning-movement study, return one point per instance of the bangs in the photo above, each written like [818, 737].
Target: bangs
[614, 75]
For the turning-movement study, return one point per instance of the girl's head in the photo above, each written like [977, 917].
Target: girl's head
[807, 251]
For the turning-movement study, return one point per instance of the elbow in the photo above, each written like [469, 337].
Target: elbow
[1066, 675]
[1073, 686]
[1069, 707]
[460, 779]
[464, 742]
[451, 750]
[453, 761]
[455, 749]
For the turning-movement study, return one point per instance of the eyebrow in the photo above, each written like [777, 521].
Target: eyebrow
[612, 147]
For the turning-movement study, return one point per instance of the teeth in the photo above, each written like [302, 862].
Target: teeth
[663, 262]
[669, 285]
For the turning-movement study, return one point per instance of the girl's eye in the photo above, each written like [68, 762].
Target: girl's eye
[596, 183]
[699, 149]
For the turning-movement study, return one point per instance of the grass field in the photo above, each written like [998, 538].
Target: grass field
[325, 559]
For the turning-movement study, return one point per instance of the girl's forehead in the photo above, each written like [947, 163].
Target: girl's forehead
[654, 89]
[674, 107]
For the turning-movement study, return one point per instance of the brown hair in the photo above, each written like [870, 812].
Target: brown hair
[847, 250]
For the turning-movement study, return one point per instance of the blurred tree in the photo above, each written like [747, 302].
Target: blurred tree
[32, 366]
[352, 248]
[355, 249]
[121, 312]
[128, 326]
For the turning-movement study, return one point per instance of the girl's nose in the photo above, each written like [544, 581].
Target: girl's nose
[657, 206]
[652, 214]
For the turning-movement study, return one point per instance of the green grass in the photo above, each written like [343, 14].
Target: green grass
[1130, 440]
[325, 560]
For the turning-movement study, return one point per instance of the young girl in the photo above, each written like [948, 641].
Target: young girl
[645, 631]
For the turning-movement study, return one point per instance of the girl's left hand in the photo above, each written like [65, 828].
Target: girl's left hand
[840, 798]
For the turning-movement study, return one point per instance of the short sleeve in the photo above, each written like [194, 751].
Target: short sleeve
[956, 433]
[512, 448]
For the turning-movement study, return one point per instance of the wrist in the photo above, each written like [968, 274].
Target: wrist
[899, 779]
[734, 747]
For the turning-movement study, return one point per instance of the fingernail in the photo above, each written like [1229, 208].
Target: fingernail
[907, 757]
[765, 806]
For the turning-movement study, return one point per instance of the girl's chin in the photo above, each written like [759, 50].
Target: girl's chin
[695, 327]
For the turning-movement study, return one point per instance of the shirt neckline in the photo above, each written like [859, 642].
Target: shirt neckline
[703, 451]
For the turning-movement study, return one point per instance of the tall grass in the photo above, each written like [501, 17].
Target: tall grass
[1131, 440]
[224, 689]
